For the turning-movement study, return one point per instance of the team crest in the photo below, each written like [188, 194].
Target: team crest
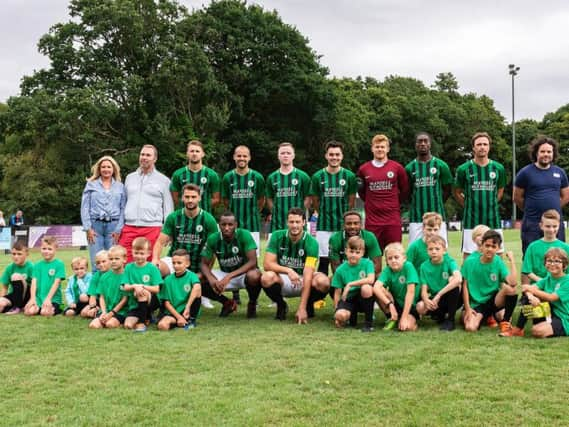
[199, 228]
[557, 286]
[493, 277]
[187, 287]
[146, 278]
[445, 275]
[390, 174]
[301, 252]
[362, 274]
[492, 175]
[203, 180]
[25, 276]
[234, 249]
[51, 272]
[402, 279]
[294, 181]
[251, 183]
[433, 170]
[342, 182]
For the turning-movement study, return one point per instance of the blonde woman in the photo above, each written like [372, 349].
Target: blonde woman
[102, 206]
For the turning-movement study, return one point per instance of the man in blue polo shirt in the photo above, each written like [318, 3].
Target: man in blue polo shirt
[540, 186]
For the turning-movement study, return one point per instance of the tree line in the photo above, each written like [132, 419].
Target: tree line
[124, 73]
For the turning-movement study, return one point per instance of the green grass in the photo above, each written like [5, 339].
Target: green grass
[251, 372]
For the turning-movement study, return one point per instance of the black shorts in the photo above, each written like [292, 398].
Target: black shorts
[352, 305]
[488, 308]
[56, 309]
[9, 297]
[557, 326]
[117, 316]
[78, 308]
[412, 312]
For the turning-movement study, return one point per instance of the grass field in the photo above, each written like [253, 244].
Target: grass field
[263, 372]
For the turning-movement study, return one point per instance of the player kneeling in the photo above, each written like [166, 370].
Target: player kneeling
[353, 281]
[180, 295]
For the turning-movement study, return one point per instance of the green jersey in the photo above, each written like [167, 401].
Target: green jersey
[333, 191]
[397, 282]
[25, 270]
[189, 233]
[286, 191]
[45, 274]
[148, 275]
[436, 276]
[206, 178]
[93, 289]
[109, 288]
[480, 185]
[230, 254]
[293, 254]
[177, 290]
[347, 273]
[426, 180]
[535, 255]
[243, 193]
[484, 279]
[560, 287]
[338, 240]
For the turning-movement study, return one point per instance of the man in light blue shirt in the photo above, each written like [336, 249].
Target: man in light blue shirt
[148, 201]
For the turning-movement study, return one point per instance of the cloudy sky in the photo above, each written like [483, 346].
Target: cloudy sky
[474, 40]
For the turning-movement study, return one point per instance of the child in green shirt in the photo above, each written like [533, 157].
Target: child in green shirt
[103, 265]
[353, 281]
[16, 280]
[395, 289]
[45, 292]
[417, 251]
[180, 295]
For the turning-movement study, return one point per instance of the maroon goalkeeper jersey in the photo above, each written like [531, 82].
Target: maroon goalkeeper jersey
[382, 189]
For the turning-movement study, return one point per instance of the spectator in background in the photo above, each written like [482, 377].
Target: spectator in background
[2, 220]
[17, 219]
[102, 206]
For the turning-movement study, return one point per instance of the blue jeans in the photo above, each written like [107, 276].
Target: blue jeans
[103, 238]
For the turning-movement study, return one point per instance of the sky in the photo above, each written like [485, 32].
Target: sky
[474, 40]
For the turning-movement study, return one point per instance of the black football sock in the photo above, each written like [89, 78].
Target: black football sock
[367, 304]
[18, 293]
[323, 264]
[253, 292]
[274, 292]
[208, 292]
[511, 301]
[195, 308]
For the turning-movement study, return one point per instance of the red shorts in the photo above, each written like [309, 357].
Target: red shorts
[131, 232]
[386, 234]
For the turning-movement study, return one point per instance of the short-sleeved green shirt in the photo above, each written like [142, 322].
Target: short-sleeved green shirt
[426, 180]
[436, 276]
[292, 254]
[206, 178]
[338, 240]
[93, 289]
[535, 255]
[286, 191]
[45, 274]
[560, 287]
[397, 282]
[177, 290]
[26, 270]
[333, 191]
[148, 275]
[243, 193]
[230, 254]
[484, 279]
[347, 273]
[480, 185]
[189, 233]
[109, 288]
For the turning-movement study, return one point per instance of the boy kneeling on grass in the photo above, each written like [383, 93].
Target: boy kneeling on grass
[103, 265]
[353, 281]
[395, 289]
[440, 280]
[180, 295]
[15, 281]
[554, 289]
[489, 289]
[111, 299]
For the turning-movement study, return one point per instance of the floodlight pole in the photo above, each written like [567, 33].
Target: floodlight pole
[513, 72]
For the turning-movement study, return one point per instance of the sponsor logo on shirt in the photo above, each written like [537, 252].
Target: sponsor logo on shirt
[286, 192]
[245, 193]
[483, 186]
[425, 181]
[291, 262]
[380, 186]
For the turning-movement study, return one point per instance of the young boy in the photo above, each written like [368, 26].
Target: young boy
[142, 282]
[489, 289]
[440, 280]
[353, 281]
[395, 289]
[77, 286]
[103, 265]
[477, 233]
[45, 291]
[417, 251]
[15, 281]
[111, 299]
[180, 295]
[554, 289]
[533, 268]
